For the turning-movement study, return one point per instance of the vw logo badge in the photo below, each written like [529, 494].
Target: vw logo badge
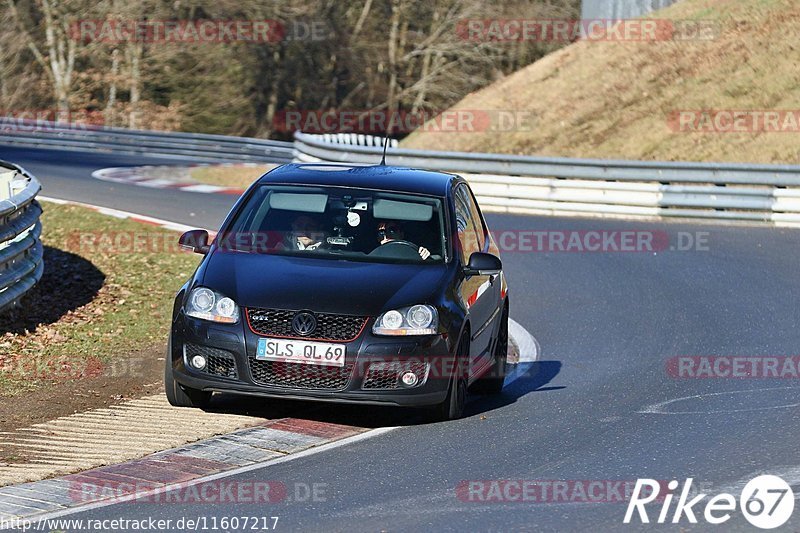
[304, 323]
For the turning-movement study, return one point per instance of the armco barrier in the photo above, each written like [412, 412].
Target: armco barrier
[538, 185]
[552, 185]
[194, 146]
[21, 263]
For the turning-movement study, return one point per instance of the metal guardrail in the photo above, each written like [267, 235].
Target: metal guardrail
[21, 251]
[536, 185]
[195, 146]
[552, 185]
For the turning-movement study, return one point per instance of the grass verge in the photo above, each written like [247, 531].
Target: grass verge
[106, 293]
[235, 176]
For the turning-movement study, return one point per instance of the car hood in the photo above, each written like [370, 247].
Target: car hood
[322, 285]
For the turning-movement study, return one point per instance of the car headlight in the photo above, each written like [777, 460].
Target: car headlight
[208, 305]
[414, 320]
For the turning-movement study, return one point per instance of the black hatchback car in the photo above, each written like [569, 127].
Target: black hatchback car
[373, 285]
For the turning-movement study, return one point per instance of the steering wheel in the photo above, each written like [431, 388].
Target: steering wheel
[404, 243]
[398, 249]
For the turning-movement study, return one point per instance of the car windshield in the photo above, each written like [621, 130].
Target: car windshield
[339, 223]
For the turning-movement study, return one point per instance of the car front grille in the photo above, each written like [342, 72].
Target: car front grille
[300, 376]
[218, 362]
[386, 375]
[330, 327]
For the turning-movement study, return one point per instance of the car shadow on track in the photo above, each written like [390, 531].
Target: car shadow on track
[522, 380]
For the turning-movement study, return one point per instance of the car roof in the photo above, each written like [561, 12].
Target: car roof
[382, 177]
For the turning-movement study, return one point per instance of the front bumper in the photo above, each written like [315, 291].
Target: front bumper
[246, 376]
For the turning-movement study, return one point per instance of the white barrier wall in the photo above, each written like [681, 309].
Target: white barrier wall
[621, 9]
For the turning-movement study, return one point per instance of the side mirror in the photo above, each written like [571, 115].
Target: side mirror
[481, 264]
[195, 240]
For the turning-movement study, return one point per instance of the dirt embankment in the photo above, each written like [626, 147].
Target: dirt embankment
[613, 99]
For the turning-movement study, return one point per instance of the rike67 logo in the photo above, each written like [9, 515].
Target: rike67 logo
[767, 502]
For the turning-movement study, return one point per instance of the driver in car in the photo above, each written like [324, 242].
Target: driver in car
[392, 231]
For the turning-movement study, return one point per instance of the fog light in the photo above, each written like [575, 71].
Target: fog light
[409, 379]
[199, 362]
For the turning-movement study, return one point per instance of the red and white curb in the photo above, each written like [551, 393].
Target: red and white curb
[141, 176]
[173, 472]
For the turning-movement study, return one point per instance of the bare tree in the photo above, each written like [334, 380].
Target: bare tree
[394, 32]
[134, 52]
[111, 103]
[393, 55]
[58, 58]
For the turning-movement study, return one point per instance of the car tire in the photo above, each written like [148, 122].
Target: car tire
[179, 395]
[452, 408]
[492, 381]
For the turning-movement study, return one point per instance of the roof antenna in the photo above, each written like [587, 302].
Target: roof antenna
[385, 145]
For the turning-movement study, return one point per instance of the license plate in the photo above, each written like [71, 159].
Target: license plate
[297, 351]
